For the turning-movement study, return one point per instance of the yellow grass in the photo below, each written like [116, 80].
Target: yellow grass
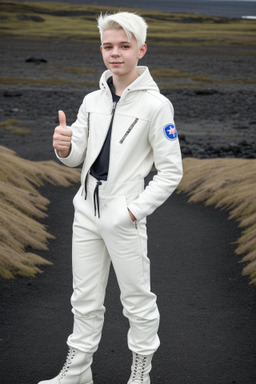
[227, 184]
[21, 205]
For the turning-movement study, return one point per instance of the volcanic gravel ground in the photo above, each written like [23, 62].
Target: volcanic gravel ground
[215, 119]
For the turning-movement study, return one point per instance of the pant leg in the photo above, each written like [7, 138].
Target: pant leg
[91, 265]
[127, 245]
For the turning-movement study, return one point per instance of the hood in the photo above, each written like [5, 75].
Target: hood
[144, 82]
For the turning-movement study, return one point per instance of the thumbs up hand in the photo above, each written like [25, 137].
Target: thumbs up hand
[62, 119]
[62, 136]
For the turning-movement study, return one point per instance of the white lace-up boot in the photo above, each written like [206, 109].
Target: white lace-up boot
[141, 366]
[76, 370]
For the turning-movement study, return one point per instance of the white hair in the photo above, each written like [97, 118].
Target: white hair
[131, 23]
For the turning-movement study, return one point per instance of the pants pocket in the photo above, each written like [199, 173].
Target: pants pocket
[117, 215]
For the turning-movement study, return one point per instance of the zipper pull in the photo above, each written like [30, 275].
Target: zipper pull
[114, 107]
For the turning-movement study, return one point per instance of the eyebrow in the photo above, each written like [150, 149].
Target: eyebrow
[121, 42]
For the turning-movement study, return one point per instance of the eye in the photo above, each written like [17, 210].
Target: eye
[125, 46]
[107, 47]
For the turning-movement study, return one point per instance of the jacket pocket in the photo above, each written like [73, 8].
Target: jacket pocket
[128, 131]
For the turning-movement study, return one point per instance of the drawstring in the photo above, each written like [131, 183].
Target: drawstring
[96, 199]
[85, 187]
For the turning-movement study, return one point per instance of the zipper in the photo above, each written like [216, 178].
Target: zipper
[113, 112]
[128, 131]
[111, 123]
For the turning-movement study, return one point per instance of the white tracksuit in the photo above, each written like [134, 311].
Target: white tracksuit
[143, 134]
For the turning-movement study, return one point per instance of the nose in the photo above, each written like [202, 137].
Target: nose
[115, 51]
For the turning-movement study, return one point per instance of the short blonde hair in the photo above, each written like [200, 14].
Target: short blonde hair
[131, 23]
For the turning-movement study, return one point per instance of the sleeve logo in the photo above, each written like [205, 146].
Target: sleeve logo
[170, 132]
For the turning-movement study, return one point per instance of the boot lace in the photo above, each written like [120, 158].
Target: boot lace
[139, 368]
[69, 359]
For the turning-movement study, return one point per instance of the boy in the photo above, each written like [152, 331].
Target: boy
[120, 131]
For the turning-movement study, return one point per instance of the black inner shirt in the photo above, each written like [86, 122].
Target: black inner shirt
[99, 169]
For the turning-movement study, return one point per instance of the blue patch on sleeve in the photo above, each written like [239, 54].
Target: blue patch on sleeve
[170, 132]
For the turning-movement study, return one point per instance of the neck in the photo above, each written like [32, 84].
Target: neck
[122, 82]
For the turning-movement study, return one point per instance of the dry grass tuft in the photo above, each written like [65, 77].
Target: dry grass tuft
[227, 184]
[20, 207]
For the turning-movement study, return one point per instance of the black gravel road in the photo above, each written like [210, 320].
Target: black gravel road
[208, 311]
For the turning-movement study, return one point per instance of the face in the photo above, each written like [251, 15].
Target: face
[119, 54]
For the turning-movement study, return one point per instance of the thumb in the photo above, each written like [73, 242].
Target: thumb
[62, 119]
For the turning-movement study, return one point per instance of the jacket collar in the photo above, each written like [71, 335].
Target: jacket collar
[144, 82]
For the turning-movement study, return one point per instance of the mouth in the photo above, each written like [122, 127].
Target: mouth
[116, 62]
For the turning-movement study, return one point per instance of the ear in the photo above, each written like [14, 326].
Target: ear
[142, 51]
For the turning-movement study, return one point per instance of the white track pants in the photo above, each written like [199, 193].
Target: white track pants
[98, 241]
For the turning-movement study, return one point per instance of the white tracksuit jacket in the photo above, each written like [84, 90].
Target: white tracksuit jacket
[141, 137]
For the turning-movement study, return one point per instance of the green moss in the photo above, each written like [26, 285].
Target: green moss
[9, 123]
[23, 81]
[78, 22]
[168, 73]
[175, 79]
[78, 70]
[21, 132]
